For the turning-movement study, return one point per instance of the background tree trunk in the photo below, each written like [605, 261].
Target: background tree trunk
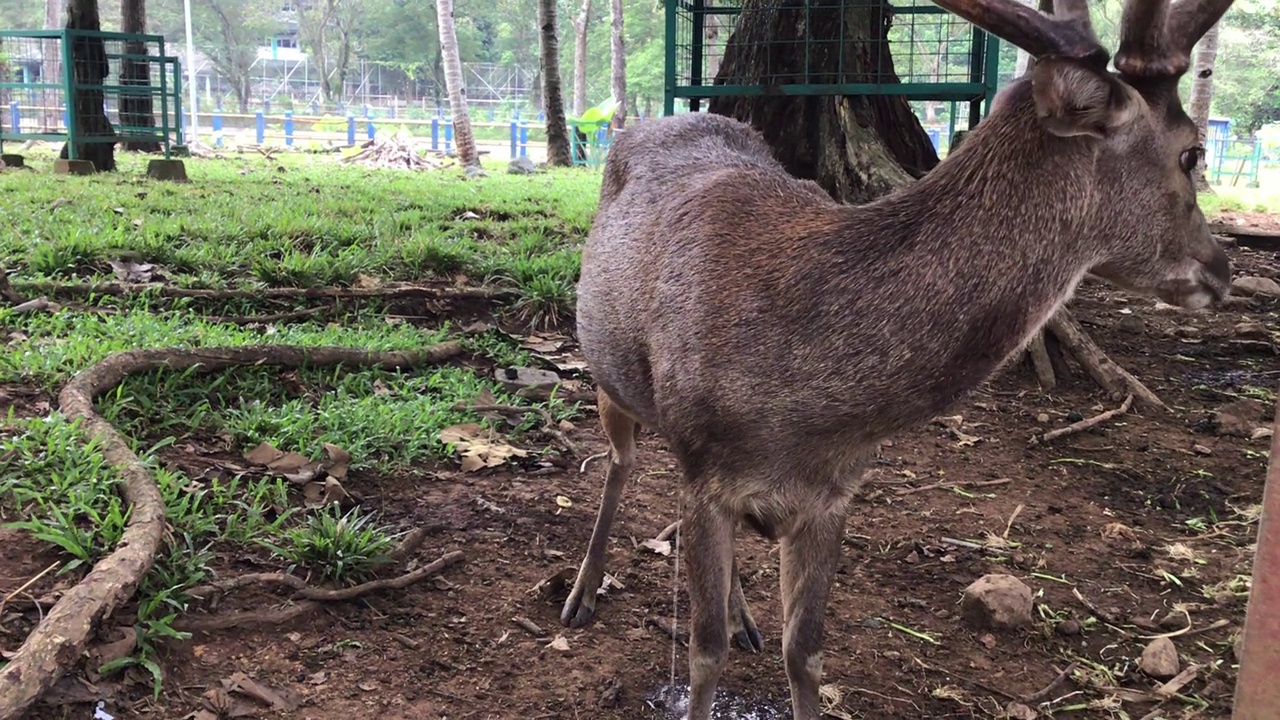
[1202, 94]
[51, 67]
[856, 147]
[91, 67]
[552, 92]
[136, 110]
[463, 139]
[618, 66]
[580, 59]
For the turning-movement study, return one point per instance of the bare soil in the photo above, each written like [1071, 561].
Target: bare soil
[1145, 517]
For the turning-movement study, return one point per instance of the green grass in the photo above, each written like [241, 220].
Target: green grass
[244, 223]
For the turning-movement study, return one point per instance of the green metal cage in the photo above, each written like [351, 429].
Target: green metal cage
[936, 57]
[38, 82]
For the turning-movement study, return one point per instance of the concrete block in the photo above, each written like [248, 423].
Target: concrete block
[171, 170]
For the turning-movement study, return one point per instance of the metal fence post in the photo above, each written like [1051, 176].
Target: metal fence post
[515, 134]
[524, 139]
[448, 137]
[288, 128]
[260, 125]
[68, 89]
[15, 116]
[351, 130]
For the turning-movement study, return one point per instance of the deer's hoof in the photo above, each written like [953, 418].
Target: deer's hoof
[749, 639]
[578, 611]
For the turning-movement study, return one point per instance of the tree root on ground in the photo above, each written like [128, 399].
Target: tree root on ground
[309, 598]
[1073, 339]
[389, 291]
[59, 641]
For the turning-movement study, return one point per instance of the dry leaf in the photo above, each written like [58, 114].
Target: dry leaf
[540, 344]
[561, 643]
[290, 462]
[366, 281]
[339, 460]
[263, 454]
[661, 547]
[319, 494]
[478, 446]
[563, 501]
[241, 683]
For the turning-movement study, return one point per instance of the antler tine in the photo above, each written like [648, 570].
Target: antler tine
[1156, 39]
[1067, 34]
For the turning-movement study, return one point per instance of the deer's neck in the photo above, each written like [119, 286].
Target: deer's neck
[977, 255]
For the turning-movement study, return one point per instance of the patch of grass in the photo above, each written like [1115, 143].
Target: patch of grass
[336, 547]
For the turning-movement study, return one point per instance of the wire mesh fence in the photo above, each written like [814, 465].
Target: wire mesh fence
[42, 73]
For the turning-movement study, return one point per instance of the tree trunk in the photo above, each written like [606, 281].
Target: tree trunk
[463, 140]
[51, 68]
[136, 116]
[552, 92]
[618, 63]
[1202, 95]
[580, 59]
[86, 107]
[856, 147]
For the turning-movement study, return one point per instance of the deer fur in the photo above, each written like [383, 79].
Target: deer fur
[773, 337]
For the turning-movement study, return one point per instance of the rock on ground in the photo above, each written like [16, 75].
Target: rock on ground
[1159, 659]
[998, 602]
[1254, 285]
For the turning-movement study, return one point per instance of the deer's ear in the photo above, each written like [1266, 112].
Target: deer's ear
[1075, 100]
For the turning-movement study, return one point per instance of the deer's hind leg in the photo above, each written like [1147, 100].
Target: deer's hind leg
[621, 429]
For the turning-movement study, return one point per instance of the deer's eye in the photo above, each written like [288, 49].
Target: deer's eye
[1190, 158]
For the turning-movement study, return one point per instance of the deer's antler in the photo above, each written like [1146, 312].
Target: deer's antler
[1157, 37]
[1068, 33]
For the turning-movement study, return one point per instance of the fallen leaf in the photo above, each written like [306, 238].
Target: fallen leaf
[290, 462]
[58, 203]
[478, 446]
[339, 460]
[469, 215]
[245, 685]
[563, 501]
[304, 474]
[319, 494]
[540, 344]
[368, 685]
[610, 581]
[263, 454]
[661, 547]
[318, 678]
[366, 281]
[130, 271]
[561, 643]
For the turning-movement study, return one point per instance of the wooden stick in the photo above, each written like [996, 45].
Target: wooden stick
[1083, 425]
[1104, 371]
[948, 484]
[1040, 360]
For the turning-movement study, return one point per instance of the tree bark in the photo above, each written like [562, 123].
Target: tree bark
[856, 147]
[464, 141]
[618, 63]
[136, 111]
[51, 67]
[580, 59]
[86, 106]
[1202, 95]
[552, 91]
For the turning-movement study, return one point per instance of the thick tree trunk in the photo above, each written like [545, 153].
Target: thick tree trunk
[618, 63]
[1202, 94]
[86, 108]
[51, 68]
[136, 110]
[552, 92]
[580, 59]
[856, 147]
[464, 141]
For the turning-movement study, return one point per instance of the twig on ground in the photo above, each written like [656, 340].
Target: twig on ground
[274, 317]
[391, 291]
[60, 638]
[529, 626]
[1188, 631]
[548, 423]
[668, 532]
[7, 291]
[590, 459]
[966, 680]
[1083, 425]
[1100, 613]
[409, 545]
[1051, 689]
[310, 597]
[1041, 362]
[949, 484]
[23, 587]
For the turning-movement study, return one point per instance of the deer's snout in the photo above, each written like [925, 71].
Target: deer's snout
[1207, 283]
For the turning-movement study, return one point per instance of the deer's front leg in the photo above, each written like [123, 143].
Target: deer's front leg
[708, 551]
[809, 559]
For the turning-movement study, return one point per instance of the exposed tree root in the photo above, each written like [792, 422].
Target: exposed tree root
[309, 598]
[391, 291]
[1072, 338]
[58, 642]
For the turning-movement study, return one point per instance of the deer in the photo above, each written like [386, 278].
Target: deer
[773, 337]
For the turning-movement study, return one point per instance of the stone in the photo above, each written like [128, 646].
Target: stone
[1254, 285]
[1159, 659]
[1184, 331]
[515, 379]
[1238, 419]
[1068, 628]
[12, 160]
[1201, 449]
[522, 166]
[1255, 330]
[171, 170]
[474, 171]
[997, 602]
[1018, 711]
[73, 167]
[1131, 324]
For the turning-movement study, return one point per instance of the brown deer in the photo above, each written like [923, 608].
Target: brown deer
[772, 337]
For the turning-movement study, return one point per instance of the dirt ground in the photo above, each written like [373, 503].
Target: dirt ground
[1146, 518]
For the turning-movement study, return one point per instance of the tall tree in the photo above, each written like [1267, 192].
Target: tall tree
[618, 63]
[87, 105]
[1202, 94]
[552, 92]
[51, 66]
[327, 29]
[136, 115]
[463, 139]
[580, 58]
[856, 147]
[228, 33]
